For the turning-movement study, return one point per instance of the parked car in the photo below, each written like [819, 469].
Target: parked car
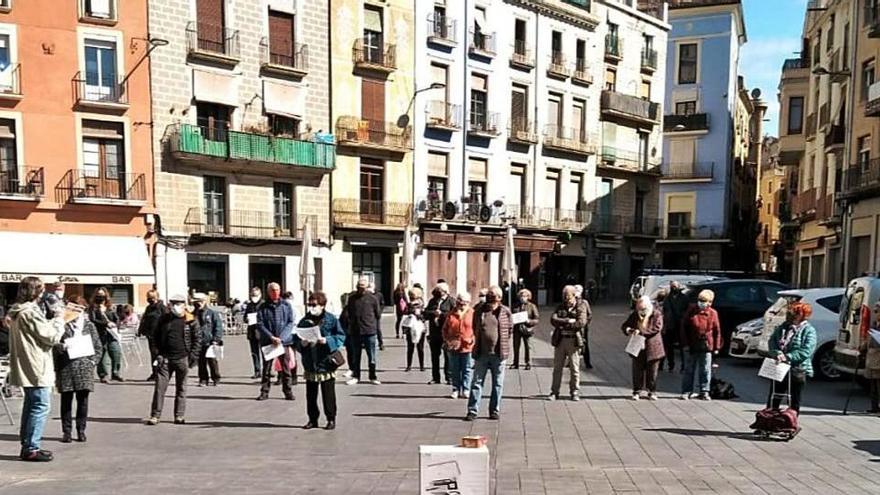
[738, 301]
[855, 319]
[651, 284]
[753, 343]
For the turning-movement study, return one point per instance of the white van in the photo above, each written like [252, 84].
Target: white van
[855, 319]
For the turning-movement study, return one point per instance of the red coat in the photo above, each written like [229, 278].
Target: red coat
[458, 332]
[702, 323]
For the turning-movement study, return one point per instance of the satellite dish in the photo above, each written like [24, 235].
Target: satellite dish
[756, 93]
[485, 213]
[449, 210]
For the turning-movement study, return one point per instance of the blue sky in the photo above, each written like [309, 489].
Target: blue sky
[774, 31]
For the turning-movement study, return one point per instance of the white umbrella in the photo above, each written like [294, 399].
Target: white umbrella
[307, 261]
[508, 262]
[408, 259]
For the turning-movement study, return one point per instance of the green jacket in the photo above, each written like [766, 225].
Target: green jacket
[799, 349]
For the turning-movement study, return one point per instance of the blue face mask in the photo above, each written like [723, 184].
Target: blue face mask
[702, 304]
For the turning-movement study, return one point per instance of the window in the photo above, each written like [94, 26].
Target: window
[831, 303]
[610, 79]
[795, 115]
[96, 9]
[481, 40]
[214, 198]
[556, 48]
[8, 156]
[103, 146]
[437, 190]
[100, 65]
[477, 191]
[283, 126]
[519, 105]
[829, 41]
[519, 37]
[867, 78]
[5, 4]
[550, 190]
[372, 190]
[283, 203]
[554, 111]
[687, 63]
[612, 32]
[438, 170]
[211, 25]
[679, 224]
[578, 114]
[736, 294]
[514, 194]
[440, 25]
[580, 51]
[685, 107]
[477, 175]
[647, 43]
[479, 99]
[281, 39]
[643, 150]
[7, 81]
[864, 156]
[213, 120]
[373, 35]
[645, 89]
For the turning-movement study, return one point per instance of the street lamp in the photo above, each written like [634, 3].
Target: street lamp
[403, 120]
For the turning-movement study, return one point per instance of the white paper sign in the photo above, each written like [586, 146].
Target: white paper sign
[520, 317]
[453, 469]
[79, 346]
[272, 351]
[214, 352]
[635, 345]
[773, 370]
[251, 318]
[308, 334]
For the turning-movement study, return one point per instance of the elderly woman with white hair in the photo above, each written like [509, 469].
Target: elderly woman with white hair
[647, 321]
[701, 338]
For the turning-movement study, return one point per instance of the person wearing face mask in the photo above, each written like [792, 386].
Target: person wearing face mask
[701, 338]
[318, 361]
[647, 321]
[150, 322]
[793, 342]
[568, 322]
[363, 312]
[251, 316]
[105, 319]
[523, 332]
[493, 326]
[435, 313]
[675, 308]
[458, 338]
[416, 308]
[481, 299]
[276, 325]
[177, 346]
[210, 328]
[52, 300]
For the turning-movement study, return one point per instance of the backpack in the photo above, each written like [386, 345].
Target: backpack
[721, 390]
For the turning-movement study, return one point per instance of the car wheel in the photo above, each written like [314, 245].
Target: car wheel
[823, 363]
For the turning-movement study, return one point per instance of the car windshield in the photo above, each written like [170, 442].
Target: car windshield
[831, 303]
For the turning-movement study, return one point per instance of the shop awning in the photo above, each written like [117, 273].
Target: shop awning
[75, 259]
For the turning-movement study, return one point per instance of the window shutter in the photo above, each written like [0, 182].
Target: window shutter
[437, 164]
[518, 106]
[477, 169]
[553, 105]
[478, 82]
[281, 33]
[99, 8]
[680, 204]
[210, 12]
[102, 129]
[373, 99]
[373, 20]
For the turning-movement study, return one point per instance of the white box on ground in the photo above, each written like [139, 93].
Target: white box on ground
[453, 469]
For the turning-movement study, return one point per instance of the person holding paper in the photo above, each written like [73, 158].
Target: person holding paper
[75, 375]
[275, 322]
[150, 323]
[701, 338]
[794, 343]
[458, 338]
[320, 360]
[567, 340]
[103, 315]
[251, 311]
[871, 348]
[647, 321]
[523, 332]
[31, 339]
[493, 327]
[415, 318]
[210, 329]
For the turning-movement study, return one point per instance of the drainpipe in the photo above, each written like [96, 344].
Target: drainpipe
[464, 98]
[847, 139]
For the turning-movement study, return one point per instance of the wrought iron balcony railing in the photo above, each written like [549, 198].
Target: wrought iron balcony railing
[569, 139]
[522, 56]
[863, 180]
[379, 58]
[538, 217]
[482, 43]
[441, 29]
[687, 171]
[358, 211]
[10, 82]
[679, 232]
[485, 125]
[649, 59]
[613, 47]
[26, 182]
[248, 224]
[628, 161]
[522, 130]
[205, 40]
[91, 186]
[93, 90]
[443, 115]
[293, 59]
[558, 67]
[354, 131]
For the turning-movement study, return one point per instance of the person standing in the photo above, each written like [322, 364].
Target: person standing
[288, 298]
[568, 322]
[415, 308]
[793, 342]
[700, 339]
[871, 348]
[647, 321]
[579, 293]
[276, 328]
[381, 299]
[364, 314]
[399, 298]
[31, 339]
[52, 299]
[75, 377]
[103, 315]
[317, 359]
[149, 323]
[251, 317]
[435, 313]
[493, 327]
[523, 332]
[177, 347]
[675, 308]
[210, 331]
[458, 338]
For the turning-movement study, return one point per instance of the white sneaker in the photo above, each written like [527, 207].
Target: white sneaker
[375, 382]
[685, 397]
[466, 394]
[636, 396]
[705, 396]
[347, 374]
[454, 394]
[353, 381]
[652, 396]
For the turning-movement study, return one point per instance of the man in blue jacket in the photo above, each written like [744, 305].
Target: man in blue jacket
[276, 328]
[210, 331]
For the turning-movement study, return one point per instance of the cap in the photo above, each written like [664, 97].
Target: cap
[199, 296]
[177, 298]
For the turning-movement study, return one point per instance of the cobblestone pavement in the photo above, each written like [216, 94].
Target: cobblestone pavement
[604, 444]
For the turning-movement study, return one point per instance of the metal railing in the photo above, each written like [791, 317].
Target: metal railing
[804, 202]
[522, 54]
[681, 123]
[98, 91]
[441, 28]
[628, 160]
[834, 136]
[365, 132]
[582, 71]
[649, 59]
[296, 58]
[613, 46]
[209, 39]
[630, 106]
[699, 170]
[383, 57]
[860, 178]
[522, 130]
[558, 65]
[872, 105]
[694, 232]
[872, 20]
[625, 224]
[443, 115]
[83, 185]
[548, 218]
[358, 211]
[247, 223]
[825, 207]
[10, 80]
[482, 43]
[567, 138]
[486, 123]
[23, 181]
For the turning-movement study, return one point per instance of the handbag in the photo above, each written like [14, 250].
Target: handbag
[334, 360]
[417, 330]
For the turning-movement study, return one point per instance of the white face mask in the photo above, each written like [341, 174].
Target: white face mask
[255, 299]
[316, 310]
[59, 294]
[482, 298]
[178, 309]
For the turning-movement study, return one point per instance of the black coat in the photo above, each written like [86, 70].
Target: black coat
[72, 375]
[435, 323]
[102, 316]
[150, 319]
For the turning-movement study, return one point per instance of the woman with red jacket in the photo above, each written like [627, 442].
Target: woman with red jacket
[700, 338]
[458, 339]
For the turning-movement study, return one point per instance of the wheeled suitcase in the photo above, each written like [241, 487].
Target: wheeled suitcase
[778, 423]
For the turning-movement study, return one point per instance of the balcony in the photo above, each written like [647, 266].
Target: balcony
[219, 149]
[694, 232]
[100, 94]
[373, 135]
[211, 43]
[294, 62]
[629, 107]
[872, 106]
[625, 225]
[568, 139]
[10, 83]
[617, 160]
[522, 131]
[687, 172]
[686, 123]
[522, 57]
[482, 44]
[443, 116]
[649, 60]
[796, 64]
[862, 181]
[441, 30]
[810, 126]
[804, 205]
[613, 48]
[834, 137]
[872, 21]
[90, 187]
[557, 67]
[545, 218]
[824, 115]
[365, 213]
[374, 59]
[484, 125]
[22, 183]
[247, 224]
[826, 210]
[582, 74]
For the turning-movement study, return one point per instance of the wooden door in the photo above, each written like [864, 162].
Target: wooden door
[281, 41]
[373, 108]
[477, 272]
[442, 263]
